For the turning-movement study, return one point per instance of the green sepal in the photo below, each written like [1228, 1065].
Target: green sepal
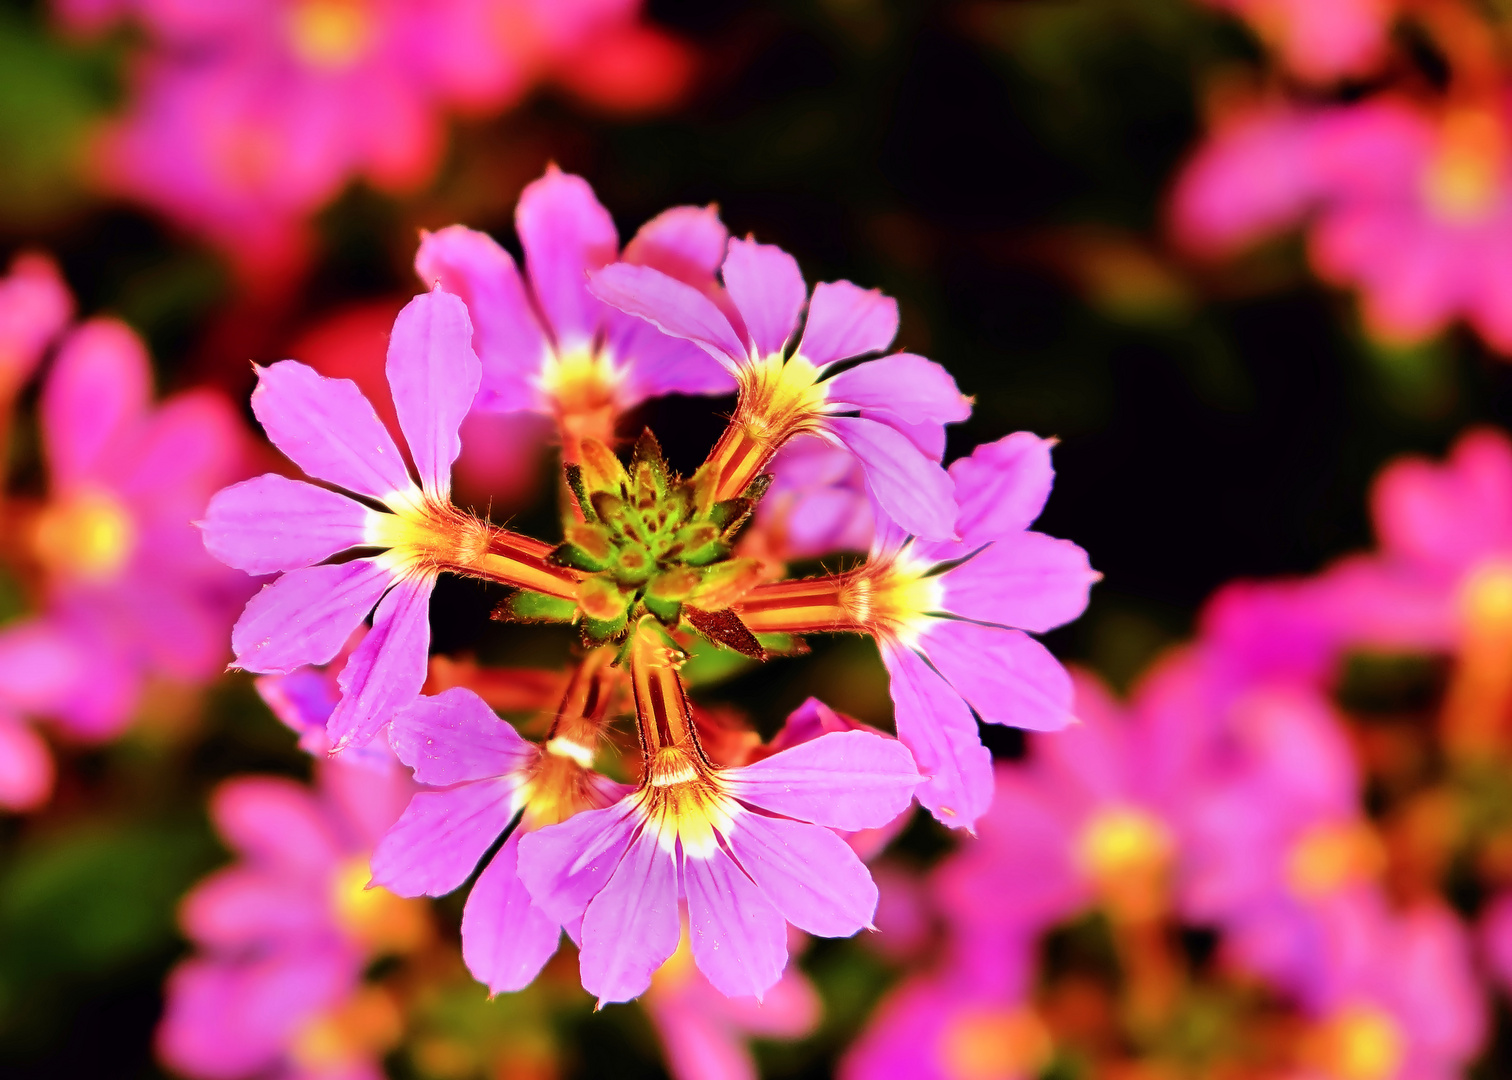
[574, 477]
[597, 631]
[668, 611]
[587, 547]
[527, 606]
[783, 644]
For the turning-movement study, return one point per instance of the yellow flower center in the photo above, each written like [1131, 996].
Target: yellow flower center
[1360, 1043]
[330, 34]
[1126, 853]
[1464, 179]
[683, 801]
[365, 1026]
[1331, 856]
[778, 400]
[89, 535]
[896, 597]
[995, 1044]
[376, 917]
[1486, 599]
[426, 534]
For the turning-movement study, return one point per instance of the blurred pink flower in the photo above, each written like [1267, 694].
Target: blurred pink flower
[1410, 206]
[127, 589]
[246, 117]
[35, 306]
[817, 504]
[1320, 40]
[26, 766]
[284, 934]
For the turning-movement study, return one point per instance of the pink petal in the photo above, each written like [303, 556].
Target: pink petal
[272, 523]
[768, 290]
[35, 306]
[632, 926]
[913, 490]
[327, 428]
[506, 939]
[26, 767]
[276, 823]
[566, 233]
[685, 242]
[673, 307]
[306, 616]
[388, 669]
[434, 375]
[507, 336]
[96, 393]
[1002, 486]
[241, 907]
[1005, 675]
[565, 866]
[698, 1046]
[936, 725]
[739, 939]
[454, 736]
[441, 835]
[845, 320]
[902, 387]
[1027, 580]
[807, 872]
[846, 780]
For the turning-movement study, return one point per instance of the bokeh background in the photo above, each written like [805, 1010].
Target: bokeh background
[1002, 167]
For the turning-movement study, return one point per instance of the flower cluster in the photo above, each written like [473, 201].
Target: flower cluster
[720, 842]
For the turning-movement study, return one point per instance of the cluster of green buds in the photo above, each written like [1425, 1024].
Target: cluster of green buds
[648, 542]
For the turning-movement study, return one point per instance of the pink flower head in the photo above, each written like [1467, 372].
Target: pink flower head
[951, 620]
[35, 306]
[896, 433]
[749, 849]
[483, 780]
[1321, 40]
[1091, 818]
[283, 935]
[272, 524]
[128, 591]
[1411, 207]
[703, 1032]
[547, 344]
[1400, 997]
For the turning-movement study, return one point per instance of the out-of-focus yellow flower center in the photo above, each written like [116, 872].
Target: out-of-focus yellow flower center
[376, 917]
[995, 1044]
[365, 1026]
[1331, 856]
[678, 968]
[681, 801]
[1464, 178]
[558, 785]
[580, 380]
[1126, 853]
[1486, 599]
[89, 535]
[1361, 1043]
[330, 34]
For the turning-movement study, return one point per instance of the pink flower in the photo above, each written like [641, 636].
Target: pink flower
[35, 306]
[817, 504]
[1321, 40]
[703, 1032]
[127, 590]
[951, 620]
[284, 934]
[547, 345]
[483, 781]
[271, 523]
[26, 766]
[749, 849]
[898, 437]
[1411, 207]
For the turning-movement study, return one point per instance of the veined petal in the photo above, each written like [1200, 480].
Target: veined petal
[434, 376]
[810, 874]
[936, 725]
[632, 926]
[910, 488]
[388, 669]
[1002, 487]
[739, 938]
[441, 835]
[672, 307]
[565, 866]
[1005, 675]
[903, 387]
[97, 390]
[506, 938]
[846, 780]
[306, 616]
[685, 242]
[454, 736]
[566, 232]
[327, 428]
[272, 523]
[845, 320]
[507, 337]
[1027, 580]
[768, 290]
